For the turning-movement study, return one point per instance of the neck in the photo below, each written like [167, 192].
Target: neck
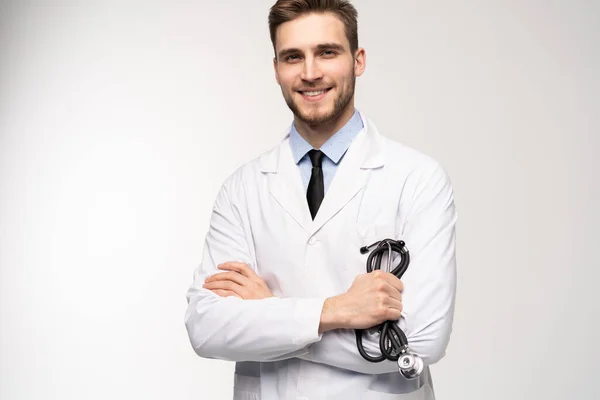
[317, 135]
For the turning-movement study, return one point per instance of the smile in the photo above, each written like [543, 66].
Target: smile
[314, 95]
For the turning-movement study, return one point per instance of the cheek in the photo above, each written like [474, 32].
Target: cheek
[342, 74]
[287, 78]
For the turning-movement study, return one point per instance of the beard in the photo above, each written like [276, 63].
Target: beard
[315, 118]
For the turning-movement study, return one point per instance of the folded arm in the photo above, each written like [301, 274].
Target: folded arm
[429, 286]
[230, 328]
[322, 330]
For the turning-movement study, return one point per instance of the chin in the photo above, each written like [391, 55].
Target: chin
[317, 118]
[317, 115]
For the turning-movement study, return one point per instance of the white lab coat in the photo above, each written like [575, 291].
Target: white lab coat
[382, 189]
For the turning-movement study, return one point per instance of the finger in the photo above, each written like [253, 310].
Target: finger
[391, 291]
[394, 281]
[393, 309]
[393, 314]
[244, 270]
[395, 304]
[229, 276]
[239, 267]
[225, 285]
[226, 293]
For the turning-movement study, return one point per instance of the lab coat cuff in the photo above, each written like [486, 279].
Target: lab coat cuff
[308, 316]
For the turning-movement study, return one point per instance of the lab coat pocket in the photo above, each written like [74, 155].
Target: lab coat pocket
[370, 234]
[246, 387]
[374, 232]
[352, 261]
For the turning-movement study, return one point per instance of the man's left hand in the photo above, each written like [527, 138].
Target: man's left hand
[240, 281]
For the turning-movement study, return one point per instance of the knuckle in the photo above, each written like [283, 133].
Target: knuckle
[381, 301]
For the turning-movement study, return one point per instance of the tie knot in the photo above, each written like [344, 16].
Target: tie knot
[316, 157]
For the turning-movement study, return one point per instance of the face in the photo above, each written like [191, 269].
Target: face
[316, 69]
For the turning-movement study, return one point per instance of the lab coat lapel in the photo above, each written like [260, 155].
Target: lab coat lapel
[285, 184]
[364, 153]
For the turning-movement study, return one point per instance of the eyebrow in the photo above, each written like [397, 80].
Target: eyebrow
[320, 47]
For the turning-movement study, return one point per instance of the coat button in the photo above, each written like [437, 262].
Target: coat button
[312, 240]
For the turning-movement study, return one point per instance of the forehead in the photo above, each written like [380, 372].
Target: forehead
[309, 30]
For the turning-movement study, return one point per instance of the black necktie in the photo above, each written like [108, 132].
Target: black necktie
[316, 188]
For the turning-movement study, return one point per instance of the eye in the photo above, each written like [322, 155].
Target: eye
[328, 53]
[292, 58]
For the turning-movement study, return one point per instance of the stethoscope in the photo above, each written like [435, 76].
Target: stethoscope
[393, 343]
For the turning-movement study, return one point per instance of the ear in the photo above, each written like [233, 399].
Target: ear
[360, 61]
[275, 68]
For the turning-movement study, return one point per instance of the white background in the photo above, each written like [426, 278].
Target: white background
[120, 120]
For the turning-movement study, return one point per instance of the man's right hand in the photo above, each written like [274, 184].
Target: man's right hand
[372, 299]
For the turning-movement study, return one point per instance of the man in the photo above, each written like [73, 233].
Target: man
[282, 286]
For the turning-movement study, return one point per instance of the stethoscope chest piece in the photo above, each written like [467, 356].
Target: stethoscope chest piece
[410, 366]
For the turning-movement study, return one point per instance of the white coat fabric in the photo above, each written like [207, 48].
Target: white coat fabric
[382, 189]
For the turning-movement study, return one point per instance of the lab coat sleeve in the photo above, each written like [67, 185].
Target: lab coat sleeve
[429, 285]
[243, 330]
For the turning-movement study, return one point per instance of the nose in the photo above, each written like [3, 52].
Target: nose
[311, 71]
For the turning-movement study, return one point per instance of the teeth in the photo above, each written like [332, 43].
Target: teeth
[311, 94]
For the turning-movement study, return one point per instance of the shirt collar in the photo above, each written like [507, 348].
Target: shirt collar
[335, 147]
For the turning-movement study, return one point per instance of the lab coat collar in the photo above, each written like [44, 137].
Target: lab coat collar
[285, 182]
[374, 157]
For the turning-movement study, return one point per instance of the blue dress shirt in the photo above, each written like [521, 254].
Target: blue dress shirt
[334, 149]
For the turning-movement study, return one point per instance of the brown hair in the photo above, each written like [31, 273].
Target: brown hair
[288, 10]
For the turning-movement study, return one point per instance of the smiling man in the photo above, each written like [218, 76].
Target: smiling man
[282, 285]
[316, 66]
